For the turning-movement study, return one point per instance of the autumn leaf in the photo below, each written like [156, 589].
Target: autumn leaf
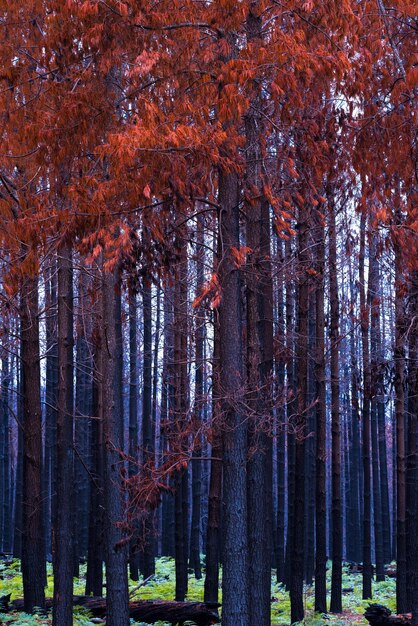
[211, 289]
[239, 255]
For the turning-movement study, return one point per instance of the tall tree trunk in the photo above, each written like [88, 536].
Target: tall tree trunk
[83, 421]
[367, 549]
[33, 549]
[399, 355]
[259, 307]
[181, 502]
[62, 614]
[6, 378]
[320, 481]
[412, 468]
[167, 417]
[235, 611]
[95, 555]
[215, 485]
[290, 407]
[353, 546]
[147, 560]
[280, 426]
[198, 409]
[374, 392]
[18, 492]
[296, 581]
[133, 421]
[381, 425]
[117, 599]
[337, 544]
[51, 386]
[310, 464]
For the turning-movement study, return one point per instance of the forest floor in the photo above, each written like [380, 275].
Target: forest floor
[162, 587]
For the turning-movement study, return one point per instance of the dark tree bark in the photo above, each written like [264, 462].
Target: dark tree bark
[296, 581]
[337, 539]
[367, 549]
[290, 408]
[147, 560]
[50, 404]
[399, 356]
[167, 417]
[6, 379]
[234, 437]
[133, 421]
[33, 548]
[181, 501]
[412, 466]
[259, 309]
[280, 425]
[381, 425]
[259, 372]
[95, 555]
[215, 484]
[195, 530]
[374, 392]
[353, 545]
[18, 492]
[83, 421]
[320, 411]
[117, 600]
[62, 614]
[310, 457]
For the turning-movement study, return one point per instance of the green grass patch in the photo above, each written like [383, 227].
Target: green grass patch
[162, 587]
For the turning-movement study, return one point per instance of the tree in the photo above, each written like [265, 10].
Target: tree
[33, 552]
[117, 599]
[63, 536]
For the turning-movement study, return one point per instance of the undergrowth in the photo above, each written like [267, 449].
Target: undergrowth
[162, 587]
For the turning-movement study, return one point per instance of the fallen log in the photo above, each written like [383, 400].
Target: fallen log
[379, 615]
[148, 611]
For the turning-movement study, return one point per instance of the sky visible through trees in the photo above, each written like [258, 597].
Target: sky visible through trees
[209, 301]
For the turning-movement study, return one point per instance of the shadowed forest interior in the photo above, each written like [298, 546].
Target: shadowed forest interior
[209, 312]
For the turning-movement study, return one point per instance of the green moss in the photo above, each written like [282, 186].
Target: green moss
[162, 587]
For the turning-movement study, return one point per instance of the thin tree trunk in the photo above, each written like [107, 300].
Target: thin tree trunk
[374, 391]
[412, 469]
[6, 377]
[399, 356]
[320, 482]
[215, 485]
[167, 417]
[354, 547]
[62, 614]
[147, 560]
[33, 549]
[18, 495]
[198, 409]
[337, 545]
[290, 409]
[381, 425]
[280, 427]
[367, 549]
[51, 386]
[83, 421]
[296, 581]
[133, 422]
[181, 502]
[94, 576]
[117, 599]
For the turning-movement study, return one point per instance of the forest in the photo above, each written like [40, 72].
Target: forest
[209, 312]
